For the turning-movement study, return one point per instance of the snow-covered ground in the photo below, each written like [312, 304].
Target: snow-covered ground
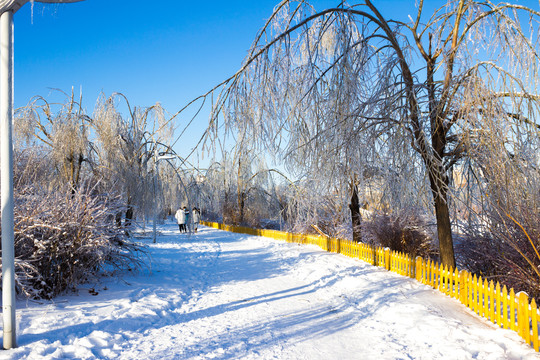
[218, 295]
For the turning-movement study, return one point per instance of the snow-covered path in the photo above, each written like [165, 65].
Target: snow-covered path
[218, 295]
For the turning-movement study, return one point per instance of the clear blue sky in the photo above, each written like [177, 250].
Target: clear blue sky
[168, 53]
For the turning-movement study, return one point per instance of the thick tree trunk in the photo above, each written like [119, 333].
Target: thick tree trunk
[438, 177]
[444, 231]
[356, 217]
[439, 189]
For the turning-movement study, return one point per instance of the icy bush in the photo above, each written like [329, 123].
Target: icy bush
[64, 238]
[404, 231]
[506, 250]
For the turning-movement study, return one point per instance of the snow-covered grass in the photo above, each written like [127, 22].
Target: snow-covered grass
[219, 295]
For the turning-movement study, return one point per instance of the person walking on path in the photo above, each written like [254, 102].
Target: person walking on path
[196, 218]
[188, 220]
[180, 217]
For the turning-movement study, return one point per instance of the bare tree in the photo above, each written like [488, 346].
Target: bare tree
[407, 82]
[62, 128]
[126, 148]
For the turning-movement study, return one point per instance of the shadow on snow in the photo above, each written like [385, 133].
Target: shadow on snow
[191, 270]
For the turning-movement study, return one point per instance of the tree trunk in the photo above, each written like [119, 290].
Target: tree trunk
[438, 177]
[283, 211]
[129, 216]
[129, 213]
[444, 231]
[356, 217]
[240, 192]
[241, 205]
[77, 177]
[439, 189]
[118, 219]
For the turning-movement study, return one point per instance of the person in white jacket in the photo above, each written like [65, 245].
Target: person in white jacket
[196, 218]
[180, 217]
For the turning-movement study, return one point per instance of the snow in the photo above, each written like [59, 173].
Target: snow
[219, 295]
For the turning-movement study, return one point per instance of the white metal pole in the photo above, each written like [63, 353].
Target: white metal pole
[6, 182]
[155, 202]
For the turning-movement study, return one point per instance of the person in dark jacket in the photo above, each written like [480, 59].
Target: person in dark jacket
[187, 225]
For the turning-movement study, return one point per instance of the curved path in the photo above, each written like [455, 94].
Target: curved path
[218, 295]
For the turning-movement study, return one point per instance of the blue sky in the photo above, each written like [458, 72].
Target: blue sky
[150, 53]
[168, 53]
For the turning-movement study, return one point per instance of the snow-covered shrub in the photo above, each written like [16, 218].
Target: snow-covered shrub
[64, 238]
[506, 250]
[236, 192]
[478, 252]
[404, 231]
[502, 201]
[329, 217]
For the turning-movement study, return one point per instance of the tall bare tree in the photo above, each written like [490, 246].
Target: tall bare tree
[411, 82]
[126, 146]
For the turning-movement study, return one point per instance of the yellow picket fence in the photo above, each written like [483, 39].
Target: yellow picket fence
[487, 299]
